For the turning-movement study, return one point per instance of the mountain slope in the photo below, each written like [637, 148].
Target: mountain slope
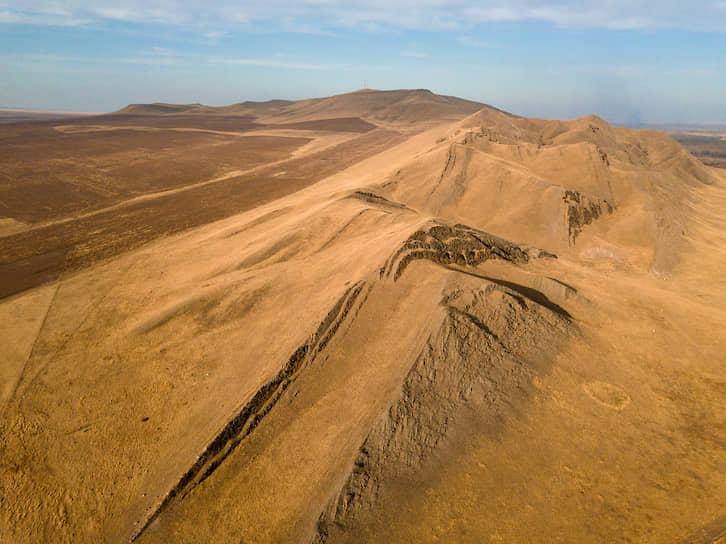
[495, 329]
[544, 182]
[401, 107]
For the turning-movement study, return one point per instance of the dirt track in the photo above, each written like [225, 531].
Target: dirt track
[41, 254]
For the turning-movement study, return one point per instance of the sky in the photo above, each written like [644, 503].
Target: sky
[630, 61]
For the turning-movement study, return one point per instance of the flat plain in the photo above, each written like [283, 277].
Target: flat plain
[706, 143]
[128, 179]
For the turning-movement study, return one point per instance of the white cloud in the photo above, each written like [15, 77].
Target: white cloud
[26, 59]
[214, 35]
[275, 63]
[158, 61]
[13, 16]
[470, 41]
[160, 52]
[412, 53]
[159, 56]
[325, 16]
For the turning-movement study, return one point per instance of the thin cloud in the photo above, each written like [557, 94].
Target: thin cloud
[43, 58]
[469, 41]
[153, 56]
[294, 26]
[18, 17]
[325, 16]
[160, 52]
[276, 63]
[214, 35]
[414, 54]
[158, 56]
[158, 61]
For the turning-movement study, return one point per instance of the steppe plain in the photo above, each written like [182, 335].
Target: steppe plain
[380, 316]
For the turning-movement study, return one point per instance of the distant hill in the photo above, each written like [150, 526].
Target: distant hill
[159, 108]
[396, 107]
[8, 115]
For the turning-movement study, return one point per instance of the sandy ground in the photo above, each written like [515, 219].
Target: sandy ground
[341, 363]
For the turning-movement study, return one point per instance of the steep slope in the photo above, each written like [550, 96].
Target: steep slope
[464, 337]
[479, 364]
[544, 182]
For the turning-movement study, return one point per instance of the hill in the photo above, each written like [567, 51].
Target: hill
[14, 115]
[405, 107]
[456, 324]
[160, 108]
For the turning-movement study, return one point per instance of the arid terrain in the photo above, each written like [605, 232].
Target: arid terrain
[706, 143]
[13, 115]
[384, 316]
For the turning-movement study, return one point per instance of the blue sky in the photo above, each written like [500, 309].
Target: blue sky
[626, 61]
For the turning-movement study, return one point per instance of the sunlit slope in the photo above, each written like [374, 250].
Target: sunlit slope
[405, 108]
[500, 329]
[545, 182]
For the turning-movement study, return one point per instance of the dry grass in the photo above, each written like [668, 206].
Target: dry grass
[371, 340]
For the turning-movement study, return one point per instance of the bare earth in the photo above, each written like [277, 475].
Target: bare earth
[706, 143]
[376, 317]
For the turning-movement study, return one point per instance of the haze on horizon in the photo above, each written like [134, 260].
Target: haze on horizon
[629, 62]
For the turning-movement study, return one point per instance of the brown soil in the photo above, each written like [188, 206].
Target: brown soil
[49, 175]
[82, 172]
[710, 148]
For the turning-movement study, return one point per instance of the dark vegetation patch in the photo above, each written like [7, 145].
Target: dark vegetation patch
[583, 210]
[457, 245]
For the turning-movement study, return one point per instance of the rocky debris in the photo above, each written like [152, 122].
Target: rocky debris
[448, 165]
[604, 157]
[583, 210]
[457, 245]
[378, 200]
